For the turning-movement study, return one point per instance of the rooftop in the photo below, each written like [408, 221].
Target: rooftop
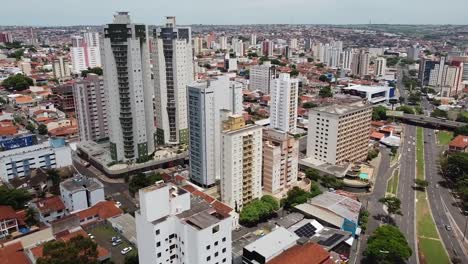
[368, 89]
[273, 243]
[309, 253]
[81, 183]
[341, 109]
[50, 204]
[13, 254]
[341, 205]
[104, 209]
[459, 141]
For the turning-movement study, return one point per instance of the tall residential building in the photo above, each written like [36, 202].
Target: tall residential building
[91, 111]
[261, 76]
[85, 52]
[380, 66]
[6, 37]
[339, 133]
[127, 81]
[61, 68]
[308, 44]
[206, 99]
[347, 59]
[293, 44]
[197, 45]
[241, 159]
[172, 71]
[223, 43]
[253, 39]
[267, 48]
[413, 52]
[283, 107]
[280, 160]
[172, 226]
[237, 46]
[360, 64]
[426, 65]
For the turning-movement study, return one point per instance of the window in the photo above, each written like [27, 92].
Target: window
[224, 260]
[208, 258]
[158, 244]
[215, 229]
[216, 254]
[159, 255]
[158, 232]
[208, 247]
[224, 250]
[216, 243]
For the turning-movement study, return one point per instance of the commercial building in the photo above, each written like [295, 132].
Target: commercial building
[261, 77]
[339, 134]
[127, 81]
[85, 52]
[173, 71]
[380, 66]
[173, 225]
[241, 159]
[205, 101]
[425, 67]
[91, 108]
[373, 94]
[79, 193]
[61, 68]
[283, 106]
[21, 161]
[280, 160]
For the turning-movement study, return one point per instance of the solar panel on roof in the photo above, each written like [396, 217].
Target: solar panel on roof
[331, 240]
[307, 230]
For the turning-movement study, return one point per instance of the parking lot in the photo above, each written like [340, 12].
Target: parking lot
[103, 234]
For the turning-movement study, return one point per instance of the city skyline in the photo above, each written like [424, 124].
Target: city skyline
[276, 12]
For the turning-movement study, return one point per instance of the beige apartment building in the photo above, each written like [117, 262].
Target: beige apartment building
[241, 162]
[339, 134]
[280, 160]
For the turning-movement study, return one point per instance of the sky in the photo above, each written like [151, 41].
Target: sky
[98, 12]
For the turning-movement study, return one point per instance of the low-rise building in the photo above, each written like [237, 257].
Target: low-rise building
[459, 144]
[79, 193]
[99, 212]
[373, 94]
[8, 221]
[49, 209]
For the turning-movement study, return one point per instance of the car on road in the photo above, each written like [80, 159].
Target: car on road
[448, 228]
[126, 250]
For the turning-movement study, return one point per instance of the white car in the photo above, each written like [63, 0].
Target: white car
[90, 236]
[126, 250]
[118, 204]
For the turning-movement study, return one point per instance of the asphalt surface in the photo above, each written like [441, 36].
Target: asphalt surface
[441, 201]
[406, 194]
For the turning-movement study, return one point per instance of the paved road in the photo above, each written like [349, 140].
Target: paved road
[406, 223]
[371, 201]
[441, 201]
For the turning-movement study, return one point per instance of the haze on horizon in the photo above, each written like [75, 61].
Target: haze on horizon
[98, 12]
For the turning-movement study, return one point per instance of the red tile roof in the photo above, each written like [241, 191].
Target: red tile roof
[387, 129]
[309, 253]
[8, 130]
[220, 207]
[104, 209]
[377, 135]
[377, 123]
[13, 254]
[50, 204]
[7, 212]
[459, 141]
[63, 131]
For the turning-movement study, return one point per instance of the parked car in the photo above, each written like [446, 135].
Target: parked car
[118, 204]
[90, 236]
[126, 250]
[449, 228]
[116, 242]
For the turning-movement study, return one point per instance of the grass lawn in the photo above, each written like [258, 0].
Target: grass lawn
[431, 249]
[444, 137]
[434, 252]
[392, 183]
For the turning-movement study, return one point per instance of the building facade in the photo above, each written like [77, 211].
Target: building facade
[79, 193]
[91, 108]
[173, 226]
[241, 162]
[380, 66]
[129, 90]
[206, 99]
[261, 76]
[85, 52]
[280, 160]
[173, 71]
[283, 107]
[339, 134]
[61, 68]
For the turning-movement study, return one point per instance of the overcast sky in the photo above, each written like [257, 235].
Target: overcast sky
[93, 12]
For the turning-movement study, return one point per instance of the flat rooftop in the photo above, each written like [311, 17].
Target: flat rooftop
[81, 183]
[368, 89]
[341, 108]
[273, 243]
[201, 214]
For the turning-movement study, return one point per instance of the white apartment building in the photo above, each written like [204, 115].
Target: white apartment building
[347, 59]
[280, 160]
[293, 44]
[85, 52]
[339, 134]
[380, 66]
[91, 108]
[253, 39]
[261, 77]
[283, 106]
[174, 227]
[223, 43]
[206, 99]
[61, 68]
[173, 71]
[127, 81]
[237, 46]
[79, 193]
[21, 161]
[241, 162]
[267, 48]
[197, 45]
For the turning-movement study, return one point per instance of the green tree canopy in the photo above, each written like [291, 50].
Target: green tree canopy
[323, 78]
[331, 182]
[387, 245]
[17, 82]
[421, 184]
[326, 92]
[393, 205]
[15, 198]
[95, 70]
[379, 113]
[406, 109]
[461, 131]
[140, 181]
[312, 174]
[30, 127]
[258, 210]
[42, 129]
[309, 105]
[131, 259]
[295, 196]
[77, 250]
[439, 113]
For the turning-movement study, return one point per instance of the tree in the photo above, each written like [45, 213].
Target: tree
[439, 113]
[363, 218]
[421, 184]
[314, 190]
[30, 127]
[302, 54]
[15, 198]
[372, 154]
[309, 105]
[31, 217]
[393, 102]
[17, 54]
[294, 197]
[379, 113]
[312, 174]
[271, 201]
[461, 131]
[326, 92]
[310, 59]
[323, 78]
[401, 99]
[294, 73]
[392, 61]
[414, 99]
[258, 210]
[462, 117]
[17, 82]
[95, 70]
[42, 129]
[406, 109]
[140, 181]
[387, 245]
[332, 182]
[413, 72]
[131, 259]
[393, 205]
[77, 250]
